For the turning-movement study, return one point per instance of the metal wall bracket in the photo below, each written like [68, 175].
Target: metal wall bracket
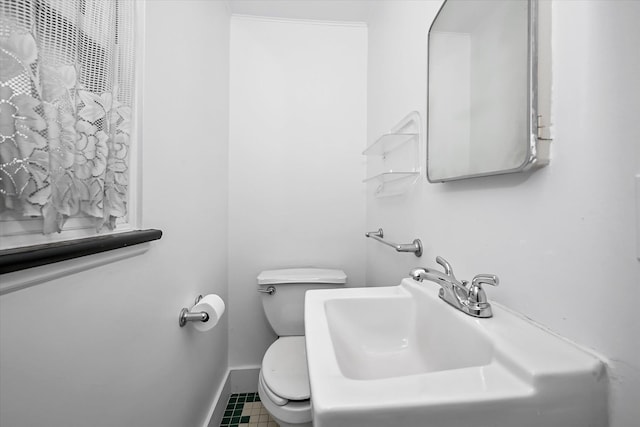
[415, 246]
[188, 316]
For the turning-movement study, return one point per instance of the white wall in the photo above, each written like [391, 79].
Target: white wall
[297, 128]
[319, 10]
[561, 239]
[103, 347]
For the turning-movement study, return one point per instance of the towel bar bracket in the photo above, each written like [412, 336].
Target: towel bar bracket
[415, 246]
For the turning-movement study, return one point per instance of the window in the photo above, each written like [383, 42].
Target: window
[68, 151]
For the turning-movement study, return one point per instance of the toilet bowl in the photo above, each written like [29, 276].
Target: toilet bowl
[283, 383]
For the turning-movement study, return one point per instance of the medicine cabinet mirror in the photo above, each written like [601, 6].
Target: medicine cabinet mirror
[488, 88]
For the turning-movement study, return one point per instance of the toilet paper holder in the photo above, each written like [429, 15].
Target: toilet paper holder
[188, 316]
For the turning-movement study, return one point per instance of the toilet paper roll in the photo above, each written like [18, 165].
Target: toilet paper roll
[213, 305]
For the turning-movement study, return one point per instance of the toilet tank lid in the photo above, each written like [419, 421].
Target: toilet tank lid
[302, 275]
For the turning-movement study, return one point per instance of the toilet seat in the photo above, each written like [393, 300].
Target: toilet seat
[292, 414]
[279, 401]
[284, 370]
[283, 383]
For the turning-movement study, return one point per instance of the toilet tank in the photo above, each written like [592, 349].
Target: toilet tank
[285, 307]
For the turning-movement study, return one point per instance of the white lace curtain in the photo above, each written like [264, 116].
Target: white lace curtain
[66, 97]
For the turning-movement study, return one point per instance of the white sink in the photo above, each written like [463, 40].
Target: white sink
[399, 356]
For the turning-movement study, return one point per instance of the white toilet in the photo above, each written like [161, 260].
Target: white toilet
[283, 383]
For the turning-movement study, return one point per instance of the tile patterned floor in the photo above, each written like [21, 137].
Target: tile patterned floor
[246, 410]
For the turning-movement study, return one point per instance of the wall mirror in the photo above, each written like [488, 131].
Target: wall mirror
[488, 89]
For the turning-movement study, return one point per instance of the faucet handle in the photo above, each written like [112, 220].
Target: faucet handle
[485, 279]
[444, 263]
[477, 298]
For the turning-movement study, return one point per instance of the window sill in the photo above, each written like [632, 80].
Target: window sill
[80, 254]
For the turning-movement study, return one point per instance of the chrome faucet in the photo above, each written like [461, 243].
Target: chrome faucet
[468, 298]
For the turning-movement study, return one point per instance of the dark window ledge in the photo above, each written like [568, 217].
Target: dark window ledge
[34, 256]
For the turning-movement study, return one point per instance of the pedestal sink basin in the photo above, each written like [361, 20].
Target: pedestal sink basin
[399, 356]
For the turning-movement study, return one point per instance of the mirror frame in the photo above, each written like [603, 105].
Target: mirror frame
[537, 148]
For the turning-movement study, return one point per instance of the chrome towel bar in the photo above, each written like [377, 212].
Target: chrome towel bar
[415, 246]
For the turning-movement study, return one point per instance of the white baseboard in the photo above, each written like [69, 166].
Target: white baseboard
[219, 403]
[242, 380]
